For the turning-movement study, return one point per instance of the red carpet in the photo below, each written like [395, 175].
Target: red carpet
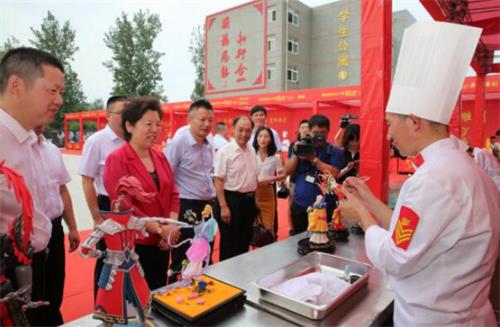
[78, 294]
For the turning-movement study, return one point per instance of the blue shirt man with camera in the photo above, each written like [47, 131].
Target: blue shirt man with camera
[312, 156]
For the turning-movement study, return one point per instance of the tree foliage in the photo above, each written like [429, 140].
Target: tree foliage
[60, 41]
[197, 50]
[135, 65]
[97, 104]
[10, 43]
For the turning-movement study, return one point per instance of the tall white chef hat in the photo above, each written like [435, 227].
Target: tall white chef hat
[432, 64]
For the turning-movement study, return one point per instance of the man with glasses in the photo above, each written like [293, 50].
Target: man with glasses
[95, 151]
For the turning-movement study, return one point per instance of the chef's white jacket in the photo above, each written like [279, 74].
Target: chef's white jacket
[443, 241]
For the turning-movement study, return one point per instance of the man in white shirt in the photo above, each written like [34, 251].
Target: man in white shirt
[220, 135]
[259, 116]
[56, 204]
[487, 161]
[95, 151]
[440, 244]
[235, 185]
[31, 88]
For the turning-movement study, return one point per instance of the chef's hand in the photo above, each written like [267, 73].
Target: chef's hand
[359, 188]
[225, 214]
[354, 211]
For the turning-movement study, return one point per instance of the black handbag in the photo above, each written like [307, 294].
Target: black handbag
[261, 236]
[283, 192]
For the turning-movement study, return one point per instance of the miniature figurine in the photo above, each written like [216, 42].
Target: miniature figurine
[319, 239]
[122, 277]
[199, 251]
[340, 232]
[15, 259]
[318, 226]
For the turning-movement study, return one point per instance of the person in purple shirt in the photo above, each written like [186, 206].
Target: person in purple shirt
[191, 157]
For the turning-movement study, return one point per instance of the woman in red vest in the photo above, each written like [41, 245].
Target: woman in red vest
[141, 122]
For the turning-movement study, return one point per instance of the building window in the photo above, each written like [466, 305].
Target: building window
[271, 43]
[271, 72]
[271, 15]
[293, 45]
[293, 74]
[293, 16]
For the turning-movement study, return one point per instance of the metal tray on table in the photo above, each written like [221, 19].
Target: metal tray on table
[313, 262]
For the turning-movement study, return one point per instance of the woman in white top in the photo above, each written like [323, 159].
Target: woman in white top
[270, 170]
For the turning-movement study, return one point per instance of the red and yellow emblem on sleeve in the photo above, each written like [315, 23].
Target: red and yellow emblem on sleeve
[405, 228]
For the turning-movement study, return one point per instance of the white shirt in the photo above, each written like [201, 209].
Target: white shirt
[489, 163]
[18, 153]
[269, 167]
[95, 152]
[277, 141]
[56, 174]
[219, 141]
[237, 167]
[443, 276]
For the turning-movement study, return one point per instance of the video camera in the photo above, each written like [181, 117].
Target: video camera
[345, 120]
[306, 145]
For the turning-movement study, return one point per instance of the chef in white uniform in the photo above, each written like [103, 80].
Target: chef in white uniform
[440, 244]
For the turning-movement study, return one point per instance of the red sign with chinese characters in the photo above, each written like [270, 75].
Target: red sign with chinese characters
[235, 52]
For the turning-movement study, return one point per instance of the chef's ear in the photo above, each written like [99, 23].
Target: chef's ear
[414, 122]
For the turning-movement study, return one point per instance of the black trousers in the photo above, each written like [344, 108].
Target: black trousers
[55, 274]
[179, 254]
[299, 217]
[37, 316]
[104, 204]
[48, 279]
[155, 263]
[276, 220]
[235, 236]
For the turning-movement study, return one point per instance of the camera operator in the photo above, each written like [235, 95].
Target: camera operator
[350, 151]
[302, 133]
[312, 155]
[345, 120]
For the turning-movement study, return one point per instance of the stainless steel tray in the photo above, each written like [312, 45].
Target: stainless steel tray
[313, 262]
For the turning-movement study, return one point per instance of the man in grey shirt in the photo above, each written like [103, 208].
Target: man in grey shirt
[191, 157]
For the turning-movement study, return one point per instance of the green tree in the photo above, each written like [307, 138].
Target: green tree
[10, 43]
[97, 104]
[135, 65]
[60, 41]
[197, 50]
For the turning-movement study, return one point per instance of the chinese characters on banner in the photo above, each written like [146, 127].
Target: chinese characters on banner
[224, 57]
[235, 49]
[343, 45]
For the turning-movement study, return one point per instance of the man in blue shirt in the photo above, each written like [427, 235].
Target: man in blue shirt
[306, 167]
[191, 157]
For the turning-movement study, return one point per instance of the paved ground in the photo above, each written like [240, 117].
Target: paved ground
[82, 214]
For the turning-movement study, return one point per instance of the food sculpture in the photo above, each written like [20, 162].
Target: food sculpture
[198, 254]
[193, 287]
[318, 226]
[122, 277]
[330, 186]
[16, 254]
